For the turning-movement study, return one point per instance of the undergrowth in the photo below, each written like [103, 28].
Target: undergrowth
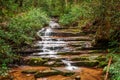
[114, 71]
[76, 13]
[19, 32]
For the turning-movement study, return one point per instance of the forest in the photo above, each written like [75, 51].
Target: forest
[59, 39]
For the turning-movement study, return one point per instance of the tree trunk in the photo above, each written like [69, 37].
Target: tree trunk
[35, 3]
[20, 3]
[66, 3]
[75, 1]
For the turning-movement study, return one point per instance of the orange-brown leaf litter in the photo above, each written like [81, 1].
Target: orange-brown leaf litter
[85, 74]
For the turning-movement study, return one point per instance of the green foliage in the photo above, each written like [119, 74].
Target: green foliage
[108, 14]
[22, 27]
[4, 70]
[115, 67]
[77, 13]
[7, 8]
[20, 32]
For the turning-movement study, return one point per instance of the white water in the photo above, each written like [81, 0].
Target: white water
[47, 41]
[69, 66]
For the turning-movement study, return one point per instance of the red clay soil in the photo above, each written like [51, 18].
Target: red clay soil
[85, 74]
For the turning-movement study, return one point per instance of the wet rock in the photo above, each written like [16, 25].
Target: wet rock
[53, 24]
[46, 73]
[29, 71]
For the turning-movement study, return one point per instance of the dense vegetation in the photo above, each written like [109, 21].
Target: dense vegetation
[20, 19]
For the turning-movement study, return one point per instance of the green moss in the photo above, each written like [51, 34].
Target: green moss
[46, 73]
[36, 61]
[102, 64]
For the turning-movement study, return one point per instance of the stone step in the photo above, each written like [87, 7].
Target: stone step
[77, 52]
[81, 44]
[40, 44]
[78, 60]
[65, 28]
[71, 57]
[78, 39]
[47, 72]
[53, 72]
[73, 63]
[65, 34]
[89, 48]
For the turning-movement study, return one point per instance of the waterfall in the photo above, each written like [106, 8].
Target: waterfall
[48, 41]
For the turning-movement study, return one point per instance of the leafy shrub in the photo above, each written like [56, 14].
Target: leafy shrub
[19, 32]
[115, 67]
[22, 27]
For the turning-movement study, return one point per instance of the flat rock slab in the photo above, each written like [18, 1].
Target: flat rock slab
[29, 71]
[92, 63]
[78, 52]
[46, 73]
[52, 72]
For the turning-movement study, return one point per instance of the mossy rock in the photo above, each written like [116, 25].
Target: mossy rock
[68, 53]
[86, 63]
[29, 71]
[67, 73]
[81, 58]
[46, 73]
[36, 61]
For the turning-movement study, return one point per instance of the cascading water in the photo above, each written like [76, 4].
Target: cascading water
[49, 44]
[69, 66]
[46, 40]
